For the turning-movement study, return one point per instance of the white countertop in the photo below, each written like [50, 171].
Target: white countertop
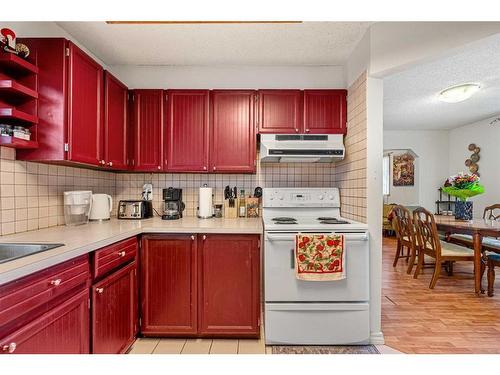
[86, 238]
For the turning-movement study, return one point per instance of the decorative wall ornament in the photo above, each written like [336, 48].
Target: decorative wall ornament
[403, 170]
[471, 163]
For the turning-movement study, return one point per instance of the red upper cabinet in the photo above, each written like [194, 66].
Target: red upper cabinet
[325, 111]
[168, 285]
[232, 137]
[229, 300]
[148, 130]
[85, 86]
[115, 123]
[70, 105]
[280, 111]
[187, 130]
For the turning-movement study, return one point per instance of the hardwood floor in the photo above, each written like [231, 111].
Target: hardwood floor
[448, 319]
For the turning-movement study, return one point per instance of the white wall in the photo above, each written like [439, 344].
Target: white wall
[487, 137]
[374, 151]
[405, 195]
[431, 146]
[359, 60]
[230, 77]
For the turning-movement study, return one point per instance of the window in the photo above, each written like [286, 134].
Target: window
[386, 174]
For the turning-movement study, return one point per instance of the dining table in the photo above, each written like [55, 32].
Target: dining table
[477, 228]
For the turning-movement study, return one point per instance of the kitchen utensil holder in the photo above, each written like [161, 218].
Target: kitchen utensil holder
[231, 212]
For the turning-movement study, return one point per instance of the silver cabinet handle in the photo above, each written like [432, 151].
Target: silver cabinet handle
[292, 259]
[307, 130]
[192, 237]
[99, 290]
[121, 253]
[204, 237]
[11, 348]
[55, 282]
[110, 163]
[296, 130]
[205, 168]
[159, 167]
[102, 162]
[215, 168]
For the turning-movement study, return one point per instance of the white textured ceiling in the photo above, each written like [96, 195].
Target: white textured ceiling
[410, 97]
[308, 43]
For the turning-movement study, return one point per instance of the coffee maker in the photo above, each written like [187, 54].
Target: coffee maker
[172, 204]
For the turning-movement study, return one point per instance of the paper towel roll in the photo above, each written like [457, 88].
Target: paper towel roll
[205, 202]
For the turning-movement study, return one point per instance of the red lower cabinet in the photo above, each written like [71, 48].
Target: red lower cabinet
[229, 298]
[114, 311]
[200, 285]
[168, 285]
[62, 330]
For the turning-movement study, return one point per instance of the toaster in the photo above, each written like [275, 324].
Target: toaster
[135, 209]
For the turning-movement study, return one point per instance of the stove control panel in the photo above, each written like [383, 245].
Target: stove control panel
[301, 197]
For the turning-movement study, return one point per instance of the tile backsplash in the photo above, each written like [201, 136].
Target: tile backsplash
[129, 185]
[31, 194]
[350, 173]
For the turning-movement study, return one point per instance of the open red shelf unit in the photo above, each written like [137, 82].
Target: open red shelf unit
[17, 142]
[19, 98]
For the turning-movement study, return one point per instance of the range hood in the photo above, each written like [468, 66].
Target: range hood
[301, 148]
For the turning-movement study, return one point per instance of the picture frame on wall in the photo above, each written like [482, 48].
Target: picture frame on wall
[403, 169]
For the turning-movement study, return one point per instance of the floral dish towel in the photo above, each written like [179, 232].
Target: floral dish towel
[319, 257]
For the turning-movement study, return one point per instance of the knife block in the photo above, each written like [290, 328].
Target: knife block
[231, 212]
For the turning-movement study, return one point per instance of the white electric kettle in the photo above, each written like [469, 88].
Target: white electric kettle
[102, 204]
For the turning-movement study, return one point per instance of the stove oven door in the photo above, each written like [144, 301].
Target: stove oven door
[281, 285]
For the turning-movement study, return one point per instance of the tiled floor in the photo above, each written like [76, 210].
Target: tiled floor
[199, 346]
[209, 346]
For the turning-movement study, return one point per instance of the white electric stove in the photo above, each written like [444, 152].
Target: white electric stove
[301, 312]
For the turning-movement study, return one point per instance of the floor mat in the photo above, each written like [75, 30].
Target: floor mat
[335, 349]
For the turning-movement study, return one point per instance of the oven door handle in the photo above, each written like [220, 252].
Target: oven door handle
[291, 236]
[283, 237]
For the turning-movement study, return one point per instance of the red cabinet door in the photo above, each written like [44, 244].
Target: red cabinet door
[325, 111]
[280, 111]
[168, 285]
[187, 130]
[85, 86]
[148, 130]
[114, 311]
[229, 301]
[115, 122]
[232, 138]
[62, 330]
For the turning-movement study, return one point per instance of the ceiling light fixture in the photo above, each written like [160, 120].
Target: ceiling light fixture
[458, 93]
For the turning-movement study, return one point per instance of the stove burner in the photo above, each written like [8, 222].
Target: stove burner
[326, 218]
[283, 219]
[285, 222]
[335, 221]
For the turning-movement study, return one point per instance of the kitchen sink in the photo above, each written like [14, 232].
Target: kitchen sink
[11, 251]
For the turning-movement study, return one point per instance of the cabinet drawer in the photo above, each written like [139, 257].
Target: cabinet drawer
[111, 257]
[28, 293]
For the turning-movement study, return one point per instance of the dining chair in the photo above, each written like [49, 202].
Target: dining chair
[387, 226]
[492, 212]
[431, 245]
[405, 234]
[492, 260]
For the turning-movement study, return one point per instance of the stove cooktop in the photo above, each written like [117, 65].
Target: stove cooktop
[315, 223]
